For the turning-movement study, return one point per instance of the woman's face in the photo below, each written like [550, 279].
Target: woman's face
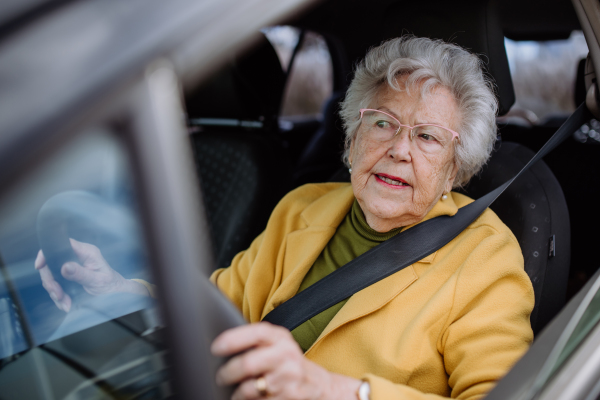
[418, 178]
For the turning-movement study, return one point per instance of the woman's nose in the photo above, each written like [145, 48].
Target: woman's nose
[401, 146]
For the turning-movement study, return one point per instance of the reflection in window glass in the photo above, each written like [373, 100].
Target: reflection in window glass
[543, 75]
[108, 345]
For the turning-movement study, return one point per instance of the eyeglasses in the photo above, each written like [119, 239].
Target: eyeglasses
[382, 127]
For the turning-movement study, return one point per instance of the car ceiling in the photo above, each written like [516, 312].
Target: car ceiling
[538, 19]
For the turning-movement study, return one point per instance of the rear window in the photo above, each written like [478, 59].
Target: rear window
[310, 73]
[543, 74]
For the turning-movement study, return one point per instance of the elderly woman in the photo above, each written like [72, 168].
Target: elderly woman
[420, 120]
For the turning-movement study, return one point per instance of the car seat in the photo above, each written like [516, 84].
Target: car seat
[243, 166]
[322, 155]
[535, 209]
[534, 206]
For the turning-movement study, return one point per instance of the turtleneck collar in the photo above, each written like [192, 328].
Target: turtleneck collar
[359, 223]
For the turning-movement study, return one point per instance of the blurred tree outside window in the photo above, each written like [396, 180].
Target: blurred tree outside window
[310, 80]
[543, 74]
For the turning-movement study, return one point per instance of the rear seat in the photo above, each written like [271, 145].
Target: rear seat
[322, 156]
[243, 167]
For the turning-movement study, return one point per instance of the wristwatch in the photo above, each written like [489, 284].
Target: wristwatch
[364, 391]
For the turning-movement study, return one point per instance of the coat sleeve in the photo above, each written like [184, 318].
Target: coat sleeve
[487, 329]
[231, 281]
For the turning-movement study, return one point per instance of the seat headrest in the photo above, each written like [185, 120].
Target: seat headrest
[472, 24]
[249, 87]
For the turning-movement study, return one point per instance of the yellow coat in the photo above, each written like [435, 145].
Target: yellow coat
[449, 325]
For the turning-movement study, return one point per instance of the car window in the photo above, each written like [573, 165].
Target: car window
[310, 73]
[107, 345]
[543, 74]
[582, 322]
[588, 321]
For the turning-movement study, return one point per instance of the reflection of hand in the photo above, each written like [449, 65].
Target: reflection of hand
[271, 352]
[94, 274]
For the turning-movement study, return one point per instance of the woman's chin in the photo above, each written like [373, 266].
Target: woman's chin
[388, 214]
[390, 201]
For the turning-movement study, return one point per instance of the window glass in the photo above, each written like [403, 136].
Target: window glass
[543, 75]
[588, 321]
[583, 321]
[310, 80]
[284, 39]
[106, 346]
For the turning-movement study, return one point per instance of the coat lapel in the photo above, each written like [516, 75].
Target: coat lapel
[302, 249]
[304, 246]
[370, 299]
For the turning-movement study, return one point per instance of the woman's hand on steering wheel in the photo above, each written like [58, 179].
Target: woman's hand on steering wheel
[93, 273]
[269, 363]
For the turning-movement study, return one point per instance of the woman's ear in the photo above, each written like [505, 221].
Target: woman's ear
[452, 177]
[351, 151]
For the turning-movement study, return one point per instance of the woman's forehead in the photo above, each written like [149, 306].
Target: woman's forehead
[435, 106]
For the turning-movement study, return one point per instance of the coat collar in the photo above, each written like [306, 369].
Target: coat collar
[330, 209]
[303, 246]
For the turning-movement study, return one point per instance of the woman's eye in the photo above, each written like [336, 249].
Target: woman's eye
[427, 137]
[382, 124]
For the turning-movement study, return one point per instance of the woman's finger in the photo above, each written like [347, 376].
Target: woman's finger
[76, 273]
[238, 339]
[40, 260]
[48, 282]
[256, 362]
[46, 274]
[58, 295]
[86, 251]
[246, 391]
[64, 302]
[51, 286]
[55, 291]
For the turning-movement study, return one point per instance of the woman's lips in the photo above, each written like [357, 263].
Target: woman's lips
[390, 180]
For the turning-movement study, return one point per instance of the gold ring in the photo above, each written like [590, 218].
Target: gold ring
[261, 386]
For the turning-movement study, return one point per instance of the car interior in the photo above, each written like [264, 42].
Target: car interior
[233, 119]
[260, 118]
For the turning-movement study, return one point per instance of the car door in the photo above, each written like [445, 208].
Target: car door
[92, 137]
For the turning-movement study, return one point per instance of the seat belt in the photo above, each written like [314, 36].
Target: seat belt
[403, 249]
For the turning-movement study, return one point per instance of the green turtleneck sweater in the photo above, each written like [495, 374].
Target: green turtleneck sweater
[352, 238]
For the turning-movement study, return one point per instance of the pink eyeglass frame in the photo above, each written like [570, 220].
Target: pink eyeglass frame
[454, 134]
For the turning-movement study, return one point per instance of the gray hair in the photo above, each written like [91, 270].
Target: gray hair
[430, 63]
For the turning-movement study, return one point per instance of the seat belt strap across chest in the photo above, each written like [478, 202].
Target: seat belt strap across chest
[403, 249]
